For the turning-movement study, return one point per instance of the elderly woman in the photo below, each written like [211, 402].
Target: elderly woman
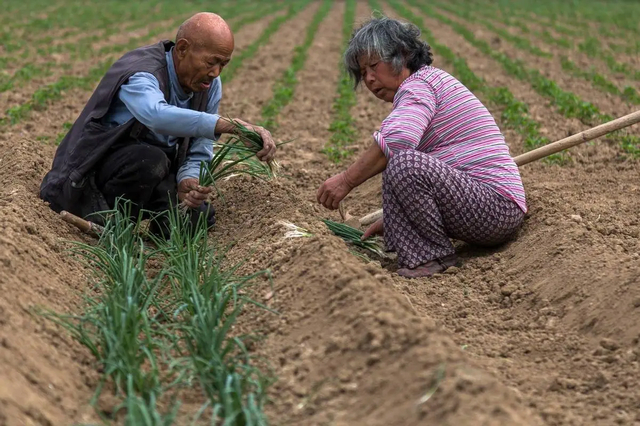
[447, 168]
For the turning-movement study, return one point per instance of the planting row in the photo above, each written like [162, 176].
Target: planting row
[43, 96]
[158, 334]
[616, 19]
[84, 49]
[284, 87]
[342, 127]
[598, 80]
[566, 103]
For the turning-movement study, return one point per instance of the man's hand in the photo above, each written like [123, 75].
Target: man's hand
[268, 151]
[191, 193]
[333, 190]
[377, 228]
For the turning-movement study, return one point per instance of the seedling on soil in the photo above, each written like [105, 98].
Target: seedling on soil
[293, 230]
[353, 236]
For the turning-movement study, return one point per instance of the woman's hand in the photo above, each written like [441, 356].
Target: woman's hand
[191, 193]
[377, 228]
[333, 190]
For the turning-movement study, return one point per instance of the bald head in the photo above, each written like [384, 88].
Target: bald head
[204, 28]
[204, 44]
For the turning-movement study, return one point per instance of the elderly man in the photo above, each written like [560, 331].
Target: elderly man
[147, 127]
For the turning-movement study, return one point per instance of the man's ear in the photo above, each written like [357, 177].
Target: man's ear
[182, 47]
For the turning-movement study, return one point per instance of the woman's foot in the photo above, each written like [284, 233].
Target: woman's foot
[430, 268]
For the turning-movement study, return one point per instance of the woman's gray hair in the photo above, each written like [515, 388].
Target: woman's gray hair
[395, 42]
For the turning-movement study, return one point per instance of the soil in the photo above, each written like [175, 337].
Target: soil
[543, 330]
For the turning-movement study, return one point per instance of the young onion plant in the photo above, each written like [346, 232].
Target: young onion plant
[116, 326]
[237, 156]
[205, 302]
[353, 236]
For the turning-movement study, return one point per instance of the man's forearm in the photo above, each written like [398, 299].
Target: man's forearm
[224, 125]
[369, 164]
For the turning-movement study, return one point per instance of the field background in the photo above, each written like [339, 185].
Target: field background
[542, 331]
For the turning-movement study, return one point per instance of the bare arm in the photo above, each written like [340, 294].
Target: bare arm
[334, 189]
[369, 164]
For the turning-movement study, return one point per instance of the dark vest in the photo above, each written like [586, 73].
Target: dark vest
[69, 184]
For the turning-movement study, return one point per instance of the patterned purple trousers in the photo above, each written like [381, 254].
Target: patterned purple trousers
[426, 202]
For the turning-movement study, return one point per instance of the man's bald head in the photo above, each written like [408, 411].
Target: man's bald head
[204, 44]
[204, 28]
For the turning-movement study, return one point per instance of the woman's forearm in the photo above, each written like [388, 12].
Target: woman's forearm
[369, 164]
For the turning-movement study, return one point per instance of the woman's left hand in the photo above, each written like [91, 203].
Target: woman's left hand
[333, 190]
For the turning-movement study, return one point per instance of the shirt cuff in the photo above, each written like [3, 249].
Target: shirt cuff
[188, 170]
[207, 126]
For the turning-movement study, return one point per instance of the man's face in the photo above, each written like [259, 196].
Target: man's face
[198, 66]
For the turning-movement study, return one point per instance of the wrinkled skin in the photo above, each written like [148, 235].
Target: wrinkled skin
[204, 45]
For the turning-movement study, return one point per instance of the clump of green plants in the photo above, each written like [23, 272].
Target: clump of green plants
[155, 332]
[353, 236]
[203, 304]
[235, 156]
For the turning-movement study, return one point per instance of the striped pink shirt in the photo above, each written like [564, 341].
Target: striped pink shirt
[436, 114]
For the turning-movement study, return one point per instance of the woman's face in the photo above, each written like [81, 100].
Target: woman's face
[380, 78]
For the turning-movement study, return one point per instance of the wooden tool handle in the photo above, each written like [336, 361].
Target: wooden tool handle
[552, 148]
[578, 138]
[83, 225]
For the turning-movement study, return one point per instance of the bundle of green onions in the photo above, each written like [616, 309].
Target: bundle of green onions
[239, 149]
[354, 236]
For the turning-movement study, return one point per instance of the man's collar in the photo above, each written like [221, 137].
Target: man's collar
[173, 78]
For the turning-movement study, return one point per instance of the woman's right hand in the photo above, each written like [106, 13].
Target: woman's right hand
[377, 228]
[333, 190]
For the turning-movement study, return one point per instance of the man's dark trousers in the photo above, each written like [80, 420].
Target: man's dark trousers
[145, 175]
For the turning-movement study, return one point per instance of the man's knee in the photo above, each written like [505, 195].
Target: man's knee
[153, 164]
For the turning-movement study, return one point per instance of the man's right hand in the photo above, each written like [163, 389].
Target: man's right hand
[191, 193]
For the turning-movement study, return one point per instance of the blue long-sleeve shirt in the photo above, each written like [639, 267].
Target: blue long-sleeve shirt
[168, 122]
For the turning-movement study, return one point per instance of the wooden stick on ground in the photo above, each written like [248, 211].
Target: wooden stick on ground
[83, 225]
[552, 148]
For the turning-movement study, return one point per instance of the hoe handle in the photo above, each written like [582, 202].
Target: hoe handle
[578, 138]
[83, 225]
[552, 148]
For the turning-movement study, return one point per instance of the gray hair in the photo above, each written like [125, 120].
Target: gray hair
[395, 42]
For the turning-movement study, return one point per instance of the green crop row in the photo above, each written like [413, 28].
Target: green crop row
[342, 127]
[566, 103]
[42, 97]
[514, 15]
[515, 113]
[598, 80]
[83, 48]
[294, 8]
[592, 47]
[284, 87]
[623, 16]
[154, 333]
